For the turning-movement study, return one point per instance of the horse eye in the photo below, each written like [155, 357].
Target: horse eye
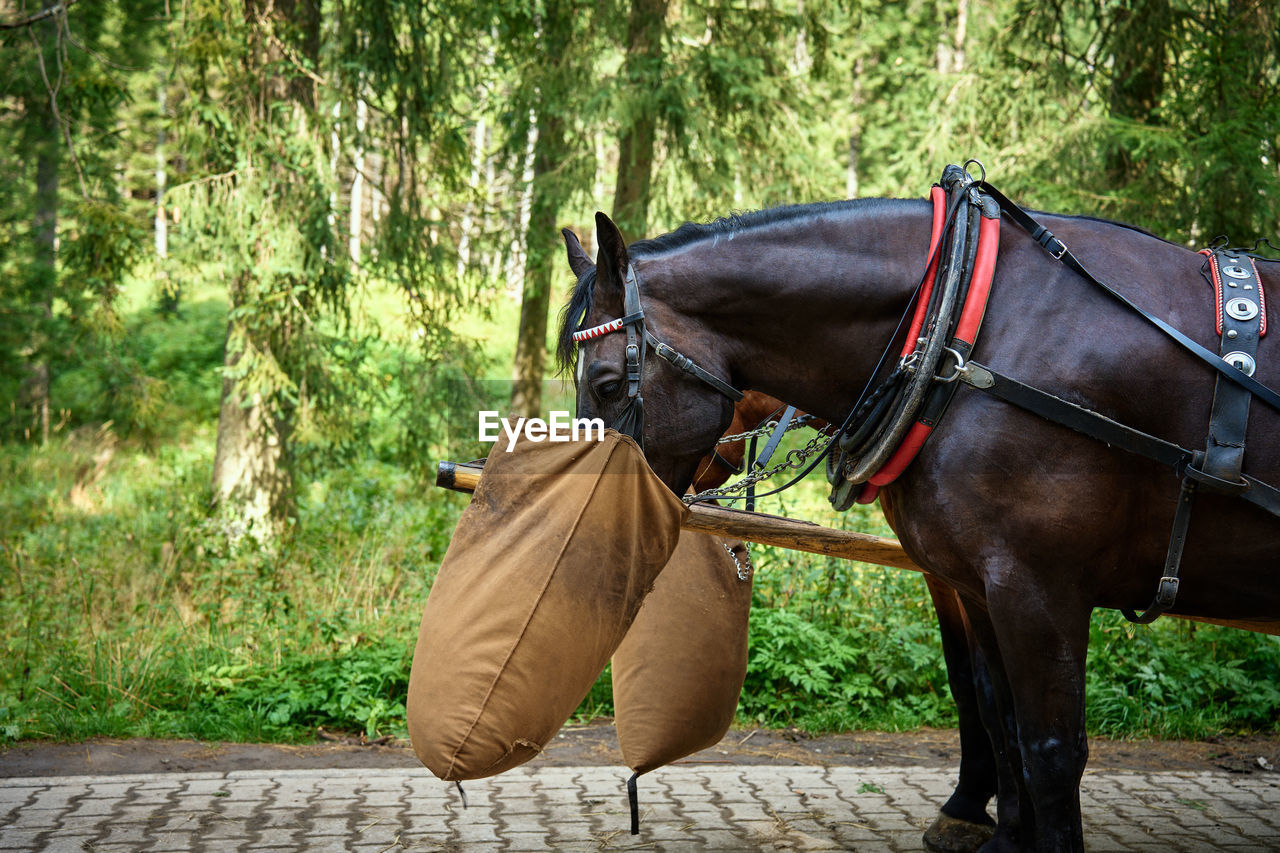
[608, 389]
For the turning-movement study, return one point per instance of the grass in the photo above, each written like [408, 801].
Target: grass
[128, 610]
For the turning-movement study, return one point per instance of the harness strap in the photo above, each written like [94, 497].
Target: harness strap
[725, 463]
[1167, 591]
[1103, 428]
[1241, 321]
[775, 438]
[1058, 251]
[631, 420]
[686, 364]
[759, 462]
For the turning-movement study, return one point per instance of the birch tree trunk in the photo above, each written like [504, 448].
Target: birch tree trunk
[169, 293]
[535, 301]
[355, 220]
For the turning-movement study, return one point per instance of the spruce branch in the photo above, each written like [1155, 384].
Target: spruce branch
[55, 9]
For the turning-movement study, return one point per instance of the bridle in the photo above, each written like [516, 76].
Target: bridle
[639, 339]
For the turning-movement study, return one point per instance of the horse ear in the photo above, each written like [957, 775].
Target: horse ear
[613, 249]
[578, 260]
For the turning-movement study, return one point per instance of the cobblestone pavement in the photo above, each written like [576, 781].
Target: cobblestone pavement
[690, 807]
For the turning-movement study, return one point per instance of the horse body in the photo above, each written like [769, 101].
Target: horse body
[1032, 524]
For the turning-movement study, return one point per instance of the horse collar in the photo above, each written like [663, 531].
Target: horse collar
[950, 303]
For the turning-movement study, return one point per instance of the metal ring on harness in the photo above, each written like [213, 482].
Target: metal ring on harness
[955, 373]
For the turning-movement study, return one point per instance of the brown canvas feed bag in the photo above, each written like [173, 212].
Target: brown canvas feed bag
[679, 671]
[544, 575]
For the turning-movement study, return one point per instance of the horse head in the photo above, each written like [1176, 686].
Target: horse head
[671, 404]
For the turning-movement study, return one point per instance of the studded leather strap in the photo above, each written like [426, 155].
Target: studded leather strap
[1241, 321]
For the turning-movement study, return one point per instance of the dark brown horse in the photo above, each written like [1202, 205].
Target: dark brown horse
[1033, 525]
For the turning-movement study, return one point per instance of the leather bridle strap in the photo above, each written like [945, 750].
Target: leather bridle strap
[633, 322]
[687, 365]
[1058, 251]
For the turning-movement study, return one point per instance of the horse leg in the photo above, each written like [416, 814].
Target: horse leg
[996, 709]
[1041, 635]
[963, 824]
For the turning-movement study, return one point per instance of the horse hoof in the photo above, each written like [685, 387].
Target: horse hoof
[952, 835]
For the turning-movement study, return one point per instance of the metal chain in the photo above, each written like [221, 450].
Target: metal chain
[765, 429]
[744, 572]
[794, 459]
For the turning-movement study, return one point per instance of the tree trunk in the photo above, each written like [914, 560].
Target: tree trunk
[516, 259]
[252, 474]
[48, 156]
[169, 293]
[355, 221]
[252, 468]
[643, 73]
[531, 343]
[547, 194]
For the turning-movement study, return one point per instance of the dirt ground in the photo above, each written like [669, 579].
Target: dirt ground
[597, 744]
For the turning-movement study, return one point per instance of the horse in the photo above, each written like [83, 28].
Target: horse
[1030, 524]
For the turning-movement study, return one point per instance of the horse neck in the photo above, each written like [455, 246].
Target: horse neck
[804, 309]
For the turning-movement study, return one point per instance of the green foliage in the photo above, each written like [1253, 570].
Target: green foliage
[1180, 679]
[130, 609]
[361, 689]
[130, 614]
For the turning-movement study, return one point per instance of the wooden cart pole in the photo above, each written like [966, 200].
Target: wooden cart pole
[751, 526]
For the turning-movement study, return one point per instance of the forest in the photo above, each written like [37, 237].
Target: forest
[261, 264]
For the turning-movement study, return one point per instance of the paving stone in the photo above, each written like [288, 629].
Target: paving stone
[64, 844]
[690, 807]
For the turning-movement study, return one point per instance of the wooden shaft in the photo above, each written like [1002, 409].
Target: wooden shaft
[751, 526]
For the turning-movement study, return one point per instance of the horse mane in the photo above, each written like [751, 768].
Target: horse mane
[734, 223]
[580, 302]
[571, 317]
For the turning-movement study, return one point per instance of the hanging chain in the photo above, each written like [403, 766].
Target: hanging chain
[794, 459]
[744, 572]
[766, 428]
